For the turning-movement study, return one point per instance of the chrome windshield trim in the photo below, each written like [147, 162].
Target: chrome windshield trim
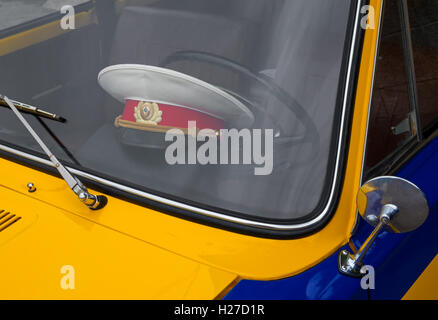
[242, 221]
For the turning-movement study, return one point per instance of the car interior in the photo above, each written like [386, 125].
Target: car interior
[390, 106]
[251, 33]
[219, 28]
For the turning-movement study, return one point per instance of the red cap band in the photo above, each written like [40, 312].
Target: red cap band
[175, 116]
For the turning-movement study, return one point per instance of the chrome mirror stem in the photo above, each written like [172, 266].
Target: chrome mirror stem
[351, 264]
[92, 201]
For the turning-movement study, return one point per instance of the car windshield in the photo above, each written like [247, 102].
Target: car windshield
[265, 76]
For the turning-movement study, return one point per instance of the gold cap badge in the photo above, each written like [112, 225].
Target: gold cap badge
[148, 113]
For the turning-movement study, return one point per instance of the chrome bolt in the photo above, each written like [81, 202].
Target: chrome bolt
[82, 196]
[372, 218]
[31, 187]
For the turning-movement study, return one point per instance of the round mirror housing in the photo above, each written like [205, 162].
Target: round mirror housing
[407, 197]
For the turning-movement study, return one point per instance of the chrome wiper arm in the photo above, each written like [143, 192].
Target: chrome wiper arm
[92, 201]
[31, 109]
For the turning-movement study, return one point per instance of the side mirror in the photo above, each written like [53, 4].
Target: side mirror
[389, 203]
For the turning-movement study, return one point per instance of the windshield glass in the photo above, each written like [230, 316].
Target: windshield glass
[248, 89]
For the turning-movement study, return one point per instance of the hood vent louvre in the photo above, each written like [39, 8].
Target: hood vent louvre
[7, 219]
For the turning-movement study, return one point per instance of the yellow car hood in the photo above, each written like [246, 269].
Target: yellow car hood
[41, 244]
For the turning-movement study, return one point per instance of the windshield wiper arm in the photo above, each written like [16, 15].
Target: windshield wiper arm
[92, 201]
[31, 110]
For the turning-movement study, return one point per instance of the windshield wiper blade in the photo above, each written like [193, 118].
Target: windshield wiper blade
[31, 110]
[39, 114]
[92, 201]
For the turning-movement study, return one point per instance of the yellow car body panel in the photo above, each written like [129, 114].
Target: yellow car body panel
[107, 264]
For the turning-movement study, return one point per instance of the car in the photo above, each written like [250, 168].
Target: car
[220, 149]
